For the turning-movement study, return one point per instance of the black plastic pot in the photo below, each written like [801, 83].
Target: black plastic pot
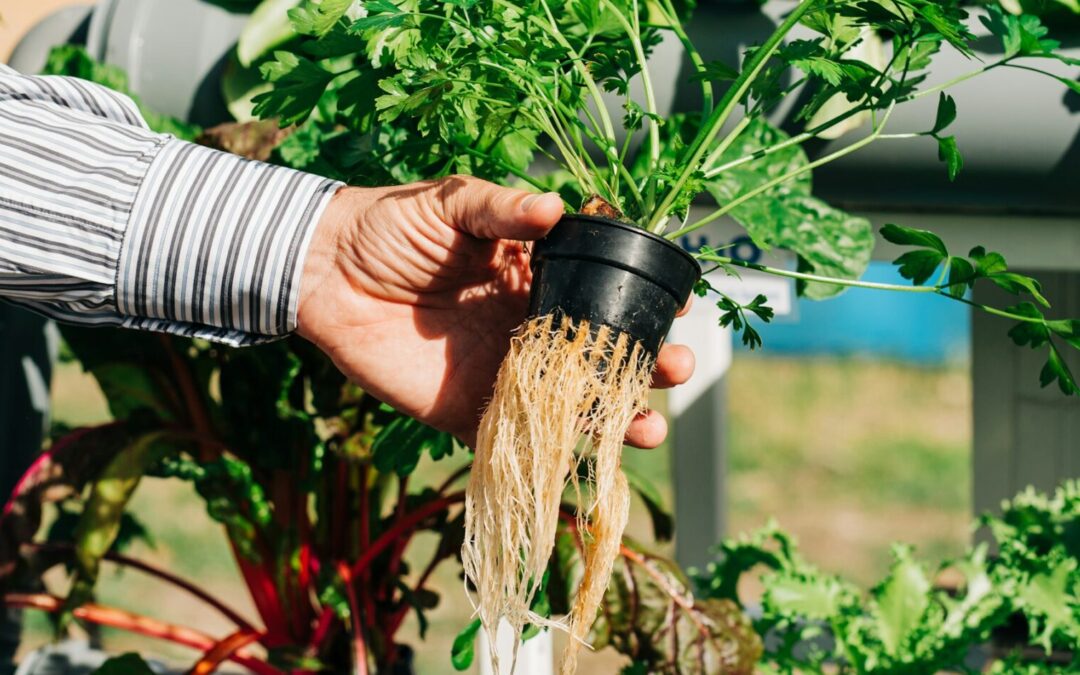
[612, 274]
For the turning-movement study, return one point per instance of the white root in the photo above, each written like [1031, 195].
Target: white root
[559, 383]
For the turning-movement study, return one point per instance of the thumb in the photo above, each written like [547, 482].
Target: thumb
[489, 211]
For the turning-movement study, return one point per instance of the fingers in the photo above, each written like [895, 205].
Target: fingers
[490, 211]
[686, 307]
[647, 431]
[674, 366]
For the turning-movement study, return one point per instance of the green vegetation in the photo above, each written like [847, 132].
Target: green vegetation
[820, 623]
[314, 481]
[396, 91]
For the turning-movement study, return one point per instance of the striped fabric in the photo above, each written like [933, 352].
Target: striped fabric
[104, 222]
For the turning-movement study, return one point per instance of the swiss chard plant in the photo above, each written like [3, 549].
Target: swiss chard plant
[311, 481]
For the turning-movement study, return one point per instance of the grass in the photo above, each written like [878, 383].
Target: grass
[848, 455]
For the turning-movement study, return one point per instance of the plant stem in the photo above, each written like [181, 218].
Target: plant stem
[691, 160]
[998, 312]
[814, 278]
[454, 477]
[399, 529]
[264, 594]
[691, 51]
[937, 289]
[403, 526]
[722, 147]
[633, 31]
[359, 646]
[193, 400]
[794, 140]
[221, 651]
[956, 80]
[587, 78]
[726, 208]
[322, 631]
[163, 575]
[137, 623]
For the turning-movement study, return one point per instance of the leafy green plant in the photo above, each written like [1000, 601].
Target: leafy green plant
[389, 91]
[1019, 593]
[309, 476]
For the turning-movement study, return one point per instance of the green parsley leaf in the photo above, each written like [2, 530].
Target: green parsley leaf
[946, 113]
[920, 265]
[317, 18]
[1057, 370]
[299, 83]
[909, 236]
[949, 153]
[715, 71]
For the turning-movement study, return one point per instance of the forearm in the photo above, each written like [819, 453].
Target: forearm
[104, 222]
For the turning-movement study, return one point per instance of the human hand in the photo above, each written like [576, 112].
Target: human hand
[414, 292]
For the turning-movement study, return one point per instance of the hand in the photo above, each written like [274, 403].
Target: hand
[414, 292]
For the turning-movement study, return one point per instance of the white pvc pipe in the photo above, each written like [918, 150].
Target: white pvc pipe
[535, 656]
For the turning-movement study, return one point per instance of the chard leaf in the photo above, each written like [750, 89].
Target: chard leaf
[463, 650]
[125, 664]
[651, 617]
[400, 444]
[662, 522]
[103, 514]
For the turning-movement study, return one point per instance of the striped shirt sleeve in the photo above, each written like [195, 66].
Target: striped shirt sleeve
[104, 222]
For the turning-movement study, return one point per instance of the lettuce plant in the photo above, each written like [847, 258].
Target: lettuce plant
[1021, 593]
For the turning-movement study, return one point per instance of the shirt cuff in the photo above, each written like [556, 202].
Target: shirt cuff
[216, 244]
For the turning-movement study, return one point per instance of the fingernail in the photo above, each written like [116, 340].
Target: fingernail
[531, 200]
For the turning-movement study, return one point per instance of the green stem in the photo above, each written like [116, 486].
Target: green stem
[725, 144]
[633, 31]
[955, 81]
[590, 84]
[794, 140]
[726, 208]
[998, 312]
[814, 278]
[692, 159]
[632, 184]
[855, 283]
[505, 167]
[691, 51]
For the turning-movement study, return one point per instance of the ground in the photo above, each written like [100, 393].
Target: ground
[850, 455]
